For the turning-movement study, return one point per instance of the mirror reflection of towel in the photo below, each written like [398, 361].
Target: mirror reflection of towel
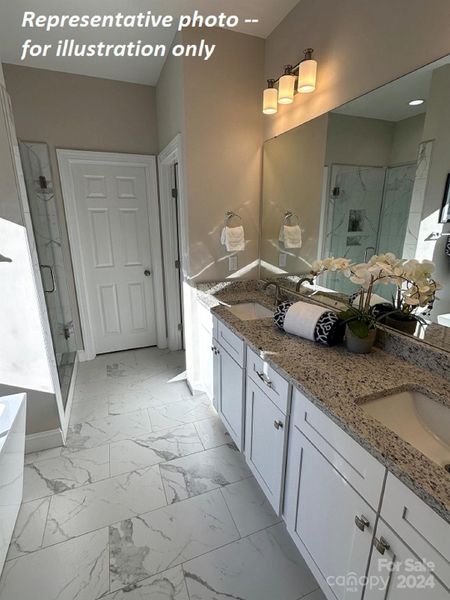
[233, 238]
[447, 246]
[291, 236]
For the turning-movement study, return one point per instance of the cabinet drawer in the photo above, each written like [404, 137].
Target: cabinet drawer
[418, 526]
[230, 342]
[364, 473]
[267, 379]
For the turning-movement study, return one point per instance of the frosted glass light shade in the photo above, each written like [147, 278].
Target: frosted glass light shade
[307, 75]
[270, 101]
[286, 89]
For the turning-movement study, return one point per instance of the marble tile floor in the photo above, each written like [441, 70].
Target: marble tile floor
[149, 500]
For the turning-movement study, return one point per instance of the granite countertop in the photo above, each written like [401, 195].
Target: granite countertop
[338, 382]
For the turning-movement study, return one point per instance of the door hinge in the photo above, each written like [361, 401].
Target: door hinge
[174, 193]
[177, 264]
[180, 326]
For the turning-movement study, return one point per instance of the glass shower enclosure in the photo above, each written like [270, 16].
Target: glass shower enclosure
[367, 213]
[44, 216]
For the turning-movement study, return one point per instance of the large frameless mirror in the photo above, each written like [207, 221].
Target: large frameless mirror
[365, 179]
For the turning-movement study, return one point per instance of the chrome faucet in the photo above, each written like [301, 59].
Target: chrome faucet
[279, 297]
[302, 280]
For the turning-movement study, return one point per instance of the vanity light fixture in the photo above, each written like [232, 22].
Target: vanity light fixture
[270, 99]
[286, 86]
[305, 72]
[417, 102]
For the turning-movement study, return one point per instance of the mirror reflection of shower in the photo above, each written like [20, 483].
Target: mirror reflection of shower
[44, 217]
[367, 213]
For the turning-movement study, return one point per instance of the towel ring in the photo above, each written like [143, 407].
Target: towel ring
[290, 215]
[231, 215]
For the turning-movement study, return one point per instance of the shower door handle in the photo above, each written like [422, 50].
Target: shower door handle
[52, 276]
[366, 253]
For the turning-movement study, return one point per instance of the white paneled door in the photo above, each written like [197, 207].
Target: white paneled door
[113, 203]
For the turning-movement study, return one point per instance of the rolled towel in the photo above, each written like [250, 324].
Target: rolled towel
[291, 236]
[310, 321]
[233, 238]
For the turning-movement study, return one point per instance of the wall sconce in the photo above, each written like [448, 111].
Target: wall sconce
[270, 99]
[286, 86]
[305, 71]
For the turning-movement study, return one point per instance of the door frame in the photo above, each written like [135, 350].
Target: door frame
[171, 155]
[67, 158]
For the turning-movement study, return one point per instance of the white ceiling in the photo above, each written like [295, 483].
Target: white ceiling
[390, 102]
[137, 70]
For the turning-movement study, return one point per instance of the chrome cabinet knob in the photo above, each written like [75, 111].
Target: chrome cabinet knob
[147, 272]
[381, 545]
[361, 522]
[278, 424]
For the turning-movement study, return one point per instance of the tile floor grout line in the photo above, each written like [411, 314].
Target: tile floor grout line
[229, 512]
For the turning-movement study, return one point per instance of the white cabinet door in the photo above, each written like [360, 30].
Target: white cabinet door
[396, 573]
[327, 518]
[265, 442]
[229, 394]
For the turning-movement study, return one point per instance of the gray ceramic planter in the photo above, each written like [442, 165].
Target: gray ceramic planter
[359, 345]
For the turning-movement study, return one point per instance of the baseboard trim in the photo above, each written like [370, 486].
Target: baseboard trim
[44, 440]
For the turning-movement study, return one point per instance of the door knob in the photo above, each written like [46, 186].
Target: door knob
[361, 522]
[147, 272]
[278, 424]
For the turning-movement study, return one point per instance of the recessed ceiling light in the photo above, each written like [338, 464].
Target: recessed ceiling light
[416, 102]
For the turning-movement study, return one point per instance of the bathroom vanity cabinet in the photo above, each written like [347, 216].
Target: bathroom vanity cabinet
[229, 381]
[349, 517]
[333, 491]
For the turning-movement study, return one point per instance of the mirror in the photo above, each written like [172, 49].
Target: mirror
[367, 178]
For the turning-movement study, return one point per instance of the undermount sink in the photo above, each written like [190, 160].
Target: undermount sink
[419, 420]
[249, 311]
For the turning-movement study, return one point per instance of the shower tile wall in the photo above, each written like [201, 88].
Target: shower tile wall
[396, 205]
[418, 199]
[355, 198]
[368, 214]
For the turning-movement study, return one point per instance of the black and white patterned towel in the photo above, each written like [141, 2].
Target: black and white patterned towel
[329, 329]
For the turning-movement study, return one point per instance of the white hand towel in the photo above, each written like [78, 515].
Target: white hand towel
[291, 236]
[233, 238]
[301, 319]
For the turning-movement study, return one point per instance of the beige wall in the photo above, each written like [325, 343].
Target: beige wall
[406, 139]
[293, 175]
[82, 113]
[360, 45]
[170, 99]
[361, 141]
[358, 141]
[223, 148]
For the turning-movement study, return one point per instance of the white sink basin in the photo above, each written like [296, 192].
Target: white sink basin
[419, 420]
[249, 311]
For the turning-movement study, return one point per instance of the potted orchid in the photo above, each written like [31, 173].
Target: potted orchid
[415, 289]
